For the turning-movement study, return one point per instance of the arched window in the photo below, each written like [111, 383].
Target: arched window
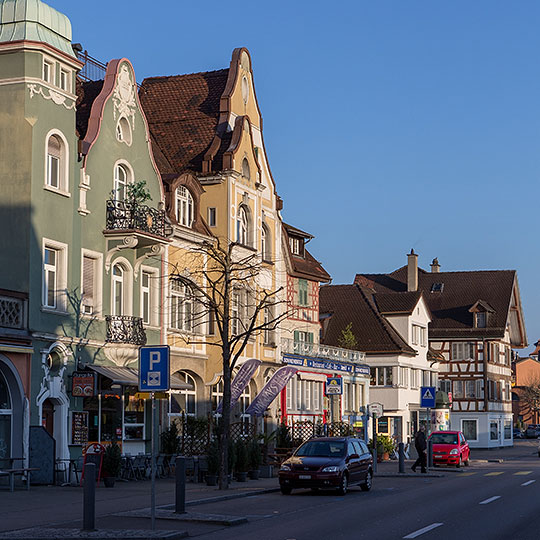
[56, 163]
[242, 226]
[118, 290]
[181, 306]
[266, 249]
[5, 419]
[184, 207]
[121, 179]
[123, 131]
[184, 401]
[245, 169]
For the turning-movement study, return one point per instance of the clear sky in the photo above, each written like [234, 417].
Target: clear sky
[389, 124]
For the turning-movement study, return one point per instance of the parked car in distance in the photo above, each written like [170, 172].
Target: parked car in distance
[518, 433]
[532, 431]
[328, 462]
[450, 448]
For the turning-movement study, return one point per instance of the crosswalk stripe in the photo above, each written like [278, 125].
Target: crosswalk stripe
[494, 473]
[467, 474]
[522, 473]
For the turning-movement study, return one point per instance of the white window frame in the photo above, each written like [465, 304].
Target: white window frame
[184, 207]
[123, 131]
[463, 350]
[242, 226]
[120, 184]
[153, 291]
[98, 282]
[289, 395]
[61, 250]
[65, 79]
[317, 393]
[127, 300]
[63, 165]
[295, 245]
[48, 70]
[476, 428]
[180, 299]
[118, 281]
[188, 378]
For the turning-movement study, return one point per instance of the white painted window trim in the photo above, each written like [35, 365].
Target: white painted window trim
[184, 207]
[61, 275]
[68, 79]
[154, 290]
[130, 176]
[51, 64]
[127, 300]
[98, 281]
[64, 166]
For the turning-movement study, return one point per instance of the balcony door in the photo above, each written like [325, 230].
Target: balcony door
[120, 183]
[118, 290]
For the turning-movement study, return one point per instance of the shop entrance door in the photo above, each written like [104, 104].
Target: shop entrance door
[47, 416]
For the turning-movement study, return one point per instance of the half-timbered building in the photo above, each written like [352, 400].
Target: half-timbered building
[477, 320]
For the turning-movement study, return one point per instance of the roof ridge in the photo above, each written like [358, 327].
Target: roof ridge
[182, 75]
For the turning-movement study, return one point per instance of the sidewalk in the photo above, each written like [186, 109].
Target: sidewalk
[47, 505]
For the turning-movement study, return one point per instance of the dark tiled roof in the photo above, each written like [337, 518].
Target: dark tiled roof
[354, 304]
[460, 291]
[293, 230]
[403, 302]
[183, 114]
[87, 92]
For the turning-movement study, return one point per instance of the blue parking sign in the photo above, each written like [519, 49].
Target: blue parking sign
[154, 368]
[427, 397]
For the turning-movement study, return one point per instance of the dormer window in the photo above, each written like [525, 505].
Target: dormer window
[437, 287]
[297, 246]
[184, 207]
[480, 319]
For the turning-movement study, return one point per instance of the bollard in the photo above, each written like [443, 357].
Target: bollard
[89, 497]
[401, 454]
[180, 503]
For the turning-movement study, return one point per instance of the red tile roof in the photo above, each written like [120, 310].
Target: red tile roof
[353, 304]
[183, 113]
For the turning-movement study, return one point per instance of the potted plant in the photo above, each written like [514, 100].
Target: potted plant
[212, 458]
[242, 460]
[254, 453]
[112, 463]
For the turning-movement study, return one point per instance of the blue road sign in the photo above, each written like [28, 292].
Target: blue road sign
[154, 368]
[427, 397]
[334, 386]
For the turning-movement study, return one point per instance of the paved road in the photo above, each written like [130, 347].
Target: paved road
[495, 501]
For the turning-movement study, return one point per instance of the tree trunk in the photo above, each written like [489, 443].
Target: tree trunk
[225, 424]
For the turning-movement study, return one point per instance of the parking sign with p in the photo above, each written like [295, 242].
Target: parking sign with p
[154, 368]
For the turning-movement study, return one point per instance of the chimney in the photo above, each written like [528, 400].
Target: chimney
[435, 266]
[412, 271]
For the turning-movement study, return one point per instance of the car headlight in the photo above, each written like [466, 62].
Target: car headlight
[333, 468]
[454, 451]
[285, 468]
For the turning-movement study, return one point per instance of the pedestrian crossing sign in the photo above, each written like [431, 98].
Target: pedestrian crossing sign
[427, 397]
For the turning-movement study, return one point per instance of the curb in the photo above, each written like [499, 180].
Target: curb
[40, 533]
[227, 497]
[409, 475]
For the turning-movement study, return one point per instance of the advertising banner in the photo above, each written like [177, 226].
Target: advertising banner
[270, 390]
[240, 382]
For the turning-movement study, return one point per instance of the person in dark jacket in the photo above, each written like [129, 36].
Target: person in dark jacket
[420, 443]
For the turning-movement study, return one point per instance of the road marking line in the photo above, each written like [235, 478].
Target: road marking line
[494, 473]
[424, 530]
[522, 473]
[528, 483]
[491, 499]
[467, 474]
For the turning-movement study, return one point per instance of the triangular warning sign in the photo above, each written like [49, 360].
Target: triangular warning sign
[427, 394]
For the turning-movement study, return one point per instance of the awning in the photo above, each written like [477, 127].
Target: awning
[130, 377]
[319, 377]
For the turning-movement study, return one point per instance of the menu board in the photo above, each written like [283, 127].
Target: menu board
[79, 427]
[83, 384]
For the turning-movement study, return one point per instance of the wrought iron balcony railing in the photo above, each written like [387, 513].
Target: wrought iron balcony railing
[129, 215]
[316, 350]
[125, 329]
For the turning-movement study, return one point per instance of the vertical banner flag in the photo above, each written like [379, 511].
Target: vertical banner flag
[240, 382]
[270, 390]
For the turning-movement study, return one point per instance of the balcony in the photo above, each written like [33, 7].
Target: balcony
[134, 217]
[315, 350]
[125, 329]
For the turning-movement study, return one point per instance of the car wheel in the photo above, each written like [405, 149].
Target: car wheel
[467, 462]
[460, 462]
[366, 486]
[342, 489]
[285, 490]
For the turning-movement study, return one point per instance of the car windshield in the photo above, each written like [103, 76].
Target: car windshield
[322, 449]
[444, 438]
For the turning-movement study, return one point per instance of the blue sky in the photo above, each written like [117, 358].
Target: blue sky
[389, 125]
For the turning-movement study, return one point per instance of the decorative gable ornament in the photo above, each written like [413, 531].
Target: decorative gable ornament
[124, 96]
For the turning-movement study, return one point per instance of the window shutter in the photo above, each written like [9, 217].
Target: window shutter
[88, 285]
[296, 336]
[309, 337]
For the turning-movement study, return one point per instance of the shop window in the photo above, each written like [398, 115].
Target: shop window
[134, 406]
[383, 425]
[494, 431]
[184, 401]
[507, 429]
[5, 421]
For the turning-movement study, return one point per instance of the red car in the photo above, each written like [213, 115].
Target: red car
[328, 462]
[450, 448]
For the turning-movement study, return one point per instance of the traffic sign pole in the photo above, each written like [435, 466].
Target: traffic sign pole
[153, 488]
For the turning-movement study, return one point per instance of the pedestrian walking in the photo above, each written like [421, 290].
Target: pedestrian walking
[420, 443]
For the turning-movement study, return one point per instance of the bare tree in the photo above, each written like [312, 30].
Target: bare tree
[530, 397]
[232, 289]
